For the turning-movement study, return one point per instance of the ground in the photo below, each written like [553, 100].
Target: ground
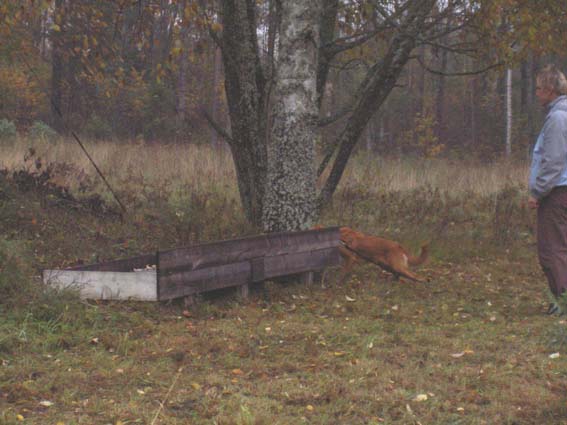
[473, 345]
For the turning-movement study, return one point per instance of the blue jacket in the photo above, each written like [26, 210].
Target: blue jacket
[549, 161]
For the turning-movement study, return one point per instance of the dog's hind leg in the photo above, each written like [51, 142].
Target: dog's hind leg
[349, 259]
[410, 275]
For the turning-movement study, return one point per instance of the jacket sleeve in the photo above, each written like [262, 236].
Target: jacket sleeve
[553, 155]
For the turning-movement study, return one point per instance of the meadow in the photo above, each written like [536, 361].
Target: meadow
[471, 346]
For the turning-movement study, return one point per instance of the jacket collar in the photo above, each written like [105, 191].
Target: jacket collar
[555, 101]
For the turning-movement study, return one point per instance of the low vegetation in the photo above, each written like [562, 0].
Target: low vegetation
[471, 346]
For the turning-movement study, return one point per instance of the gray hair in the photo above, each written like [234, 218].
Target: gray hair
[552, 78]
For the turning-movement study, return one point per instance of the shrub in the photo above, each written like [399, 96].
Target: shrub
[7, 130]
[14, 279]
[41, 131]
[98, 128]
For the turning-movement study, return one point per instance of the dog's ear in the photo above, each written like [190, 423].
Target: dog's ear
[347, 235]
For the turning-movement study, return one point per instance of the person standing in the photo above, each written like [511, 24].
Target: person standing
[548, 183]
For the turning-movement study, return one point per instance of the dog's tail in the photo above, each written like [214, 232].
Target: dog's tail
[423, 256]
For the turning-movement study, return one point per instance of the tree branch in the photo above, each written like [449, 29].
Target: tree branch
[458, 74]
[217, 127]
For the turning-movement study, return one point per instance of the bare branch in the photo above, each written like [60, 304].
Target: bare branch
[340, 45]
[336, 116]
[458, 74]
[217, 127]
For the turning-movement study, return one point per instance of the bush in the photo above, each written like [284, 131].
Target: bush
[41, 131]
[98, 128]
[14, 277]
[7, 130]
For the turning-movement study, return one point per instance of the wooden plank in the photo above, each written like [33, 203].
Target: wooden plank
[190, 282]
[195, 281]
[211, 254]
[244, 291]
[308, 240]
[307, 278]
[282, 265]
[257, 265]
[123, 265]
[224, 252]
[140, 286]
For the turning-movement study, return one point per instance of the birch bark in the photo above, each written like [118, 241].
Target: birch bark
[290, 190]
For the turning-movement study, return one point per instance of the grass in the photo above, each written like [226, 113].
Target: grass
[472, 346]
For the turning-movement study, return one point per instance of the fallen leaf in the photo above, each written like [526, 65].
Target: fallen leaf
[19, 417]
[554, 356]
[420, 397]
[195, 386]
[46, 403]
[310, 408]
[462, 353]
[349, 298]
[237, 372]
[339, 353]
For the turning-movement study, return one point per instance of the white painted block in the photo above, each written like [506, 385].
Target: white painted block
[140, 286]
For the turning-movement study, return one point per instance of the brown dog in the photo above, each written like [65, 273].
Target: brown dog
[389, 255]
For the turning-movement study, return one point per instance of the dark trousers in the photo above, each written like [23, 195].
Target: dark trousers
[552, 238]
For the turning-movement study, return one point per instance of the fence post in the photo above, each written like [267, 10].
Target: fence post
[307, 278]
[243, 291]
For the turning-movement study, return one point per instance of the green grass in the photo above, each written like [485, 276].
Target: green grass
[471, 346]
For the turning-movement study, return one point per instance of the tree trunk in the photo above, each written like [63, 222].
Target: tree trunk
[440, 97]
[182, 76]
[379, 82]
[244, 85]
[328, 22]
[290, 189]
[57, 68]
[215, 101]
[508, 150]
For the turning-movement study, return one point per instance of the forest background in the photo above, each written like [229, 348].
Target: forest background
[151, 71]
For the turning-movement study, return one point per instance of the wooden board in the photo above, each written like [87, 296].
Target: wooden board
[225, 252]
[194, 281]
[190, 282]
[140, 286]
[299, 262]
[123, 265]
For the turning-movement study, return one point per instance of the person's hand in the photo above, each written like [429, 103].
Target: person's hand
[533, 202]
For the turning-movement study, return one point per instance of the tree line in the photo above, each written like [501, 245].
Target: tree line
[293, 88]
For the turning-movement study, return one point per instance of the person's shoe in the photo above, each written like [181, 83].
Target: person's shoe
[553, 309]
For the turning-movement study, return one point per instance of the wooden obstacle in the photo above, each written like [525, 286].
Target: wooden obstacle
[185, 272]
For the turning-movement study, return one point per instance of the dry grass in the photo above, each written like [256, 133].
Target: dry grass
[203, 168]
[200, 167]
[455, 177]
